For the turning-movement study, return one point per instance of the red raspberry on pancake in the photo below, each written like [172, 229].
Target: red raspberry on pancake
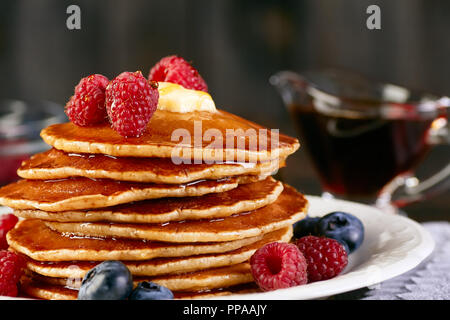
[131, 101]
[87, 106]
[177, 70]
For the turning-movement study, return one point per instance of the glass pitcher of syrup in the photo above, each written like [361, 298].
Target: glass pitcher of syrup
[366, 138]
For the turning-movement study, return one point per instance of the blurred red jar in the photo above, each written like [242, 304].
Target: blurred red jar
[20, 125]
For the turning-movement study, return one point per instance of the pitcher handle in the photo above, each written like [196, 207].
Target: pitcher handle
[409, 187]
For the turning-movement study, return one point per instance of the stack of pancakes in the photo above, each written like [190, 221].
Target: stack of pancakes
[190, 226]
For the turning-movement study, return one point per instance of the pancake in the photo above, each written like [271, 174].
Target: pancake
[245, 197]
[153, 267]
[84, 193]
[189, 281]
[32, 238]
[55, 164]
[289, 207]
[42, 290]
[180, 135]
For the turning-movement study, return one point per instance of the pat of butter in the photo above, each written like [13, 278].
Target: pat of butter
[175, 98]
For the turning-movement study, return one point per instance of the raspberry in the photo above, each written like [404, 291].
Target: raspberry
[7, 222]
[130, 102]
[11, 269]
[8, 289]
[278, 265]
[177, 70]
[87, 106]
[326, 257]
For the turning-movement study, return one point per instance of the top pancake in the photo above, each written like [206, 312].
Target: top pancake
[178, 135]
[56, 164]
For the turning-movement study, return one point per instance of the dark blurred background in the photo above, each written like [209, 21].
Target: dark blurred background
[236, 45]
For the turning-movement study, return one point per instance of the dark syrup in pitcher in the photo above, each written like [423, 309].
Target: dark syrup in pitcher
[357, 157]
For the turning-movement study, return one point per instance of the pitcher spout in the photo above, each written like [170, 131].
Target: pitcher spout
[291, 86]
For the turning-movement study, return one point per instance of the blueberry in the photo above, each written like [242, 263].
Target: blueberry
[305, 227]
[343, 227]
[109, 280]
[147, 290]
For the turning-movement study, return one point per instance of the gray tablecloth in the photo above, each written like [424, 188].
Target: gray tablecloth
[430, 280]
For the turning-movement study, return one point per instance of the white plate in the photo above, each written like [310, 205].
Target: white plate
[392, 245]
